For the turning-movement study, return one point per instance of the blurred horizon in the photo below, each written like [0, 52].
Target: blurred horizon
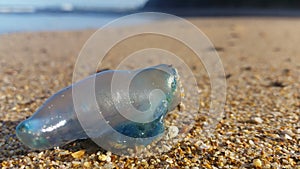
[36, 15]
[293, 4]
[34, 6]
[121, 6]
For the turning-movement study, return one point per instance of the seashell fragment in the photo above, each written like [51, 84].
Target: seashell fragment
[153, 91]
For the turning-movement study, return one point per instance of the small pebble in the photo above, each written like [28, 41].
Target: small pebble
[108, 166]
[257, 120]
[78, 154]
[166, 148]
[173, 132]
[169, 160]
[288, 137]
[102, 157]
[257, 163]
[87, 164]
[251, 143]
[76, 163]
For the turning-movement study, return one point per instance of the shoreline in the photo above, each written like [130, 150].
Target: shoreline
[77, 21]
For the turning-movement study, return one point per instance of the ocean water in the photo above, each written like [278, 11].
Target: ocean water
[36, 15]
[11, 23]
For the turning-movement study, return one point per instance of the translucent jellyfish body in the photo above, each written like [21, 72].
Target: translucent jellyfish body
[152, 91]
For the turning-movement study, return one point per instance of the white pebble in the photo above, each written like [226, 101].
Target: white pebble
[166, 148]
[288, 137]
[251, 143]
[257, 120]
[173, 132]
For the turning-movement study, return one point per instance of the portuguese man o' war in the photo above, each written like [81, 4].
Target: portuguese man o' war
[56, 122]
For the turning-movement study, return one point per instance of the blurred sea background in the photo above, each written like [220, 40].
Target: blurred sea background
[37, 15]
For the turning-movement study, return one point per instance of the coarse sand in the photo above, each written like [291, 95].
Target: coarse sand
[261, 126]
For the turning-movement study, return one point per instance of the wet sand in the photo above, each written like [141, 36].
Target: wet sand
[261, 126]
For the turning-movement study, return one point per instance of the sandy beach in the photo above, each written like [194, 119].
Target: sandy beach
[261, 126]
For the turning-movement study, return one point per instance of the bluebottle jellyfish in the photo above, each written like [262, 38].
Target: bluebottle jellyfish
[56, 123]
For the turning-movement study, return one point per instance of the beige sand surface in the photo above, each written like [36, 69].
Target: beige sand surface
[261, 127]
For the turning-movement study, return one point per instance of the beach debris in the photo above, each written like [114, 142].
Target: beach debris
[137, 113]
